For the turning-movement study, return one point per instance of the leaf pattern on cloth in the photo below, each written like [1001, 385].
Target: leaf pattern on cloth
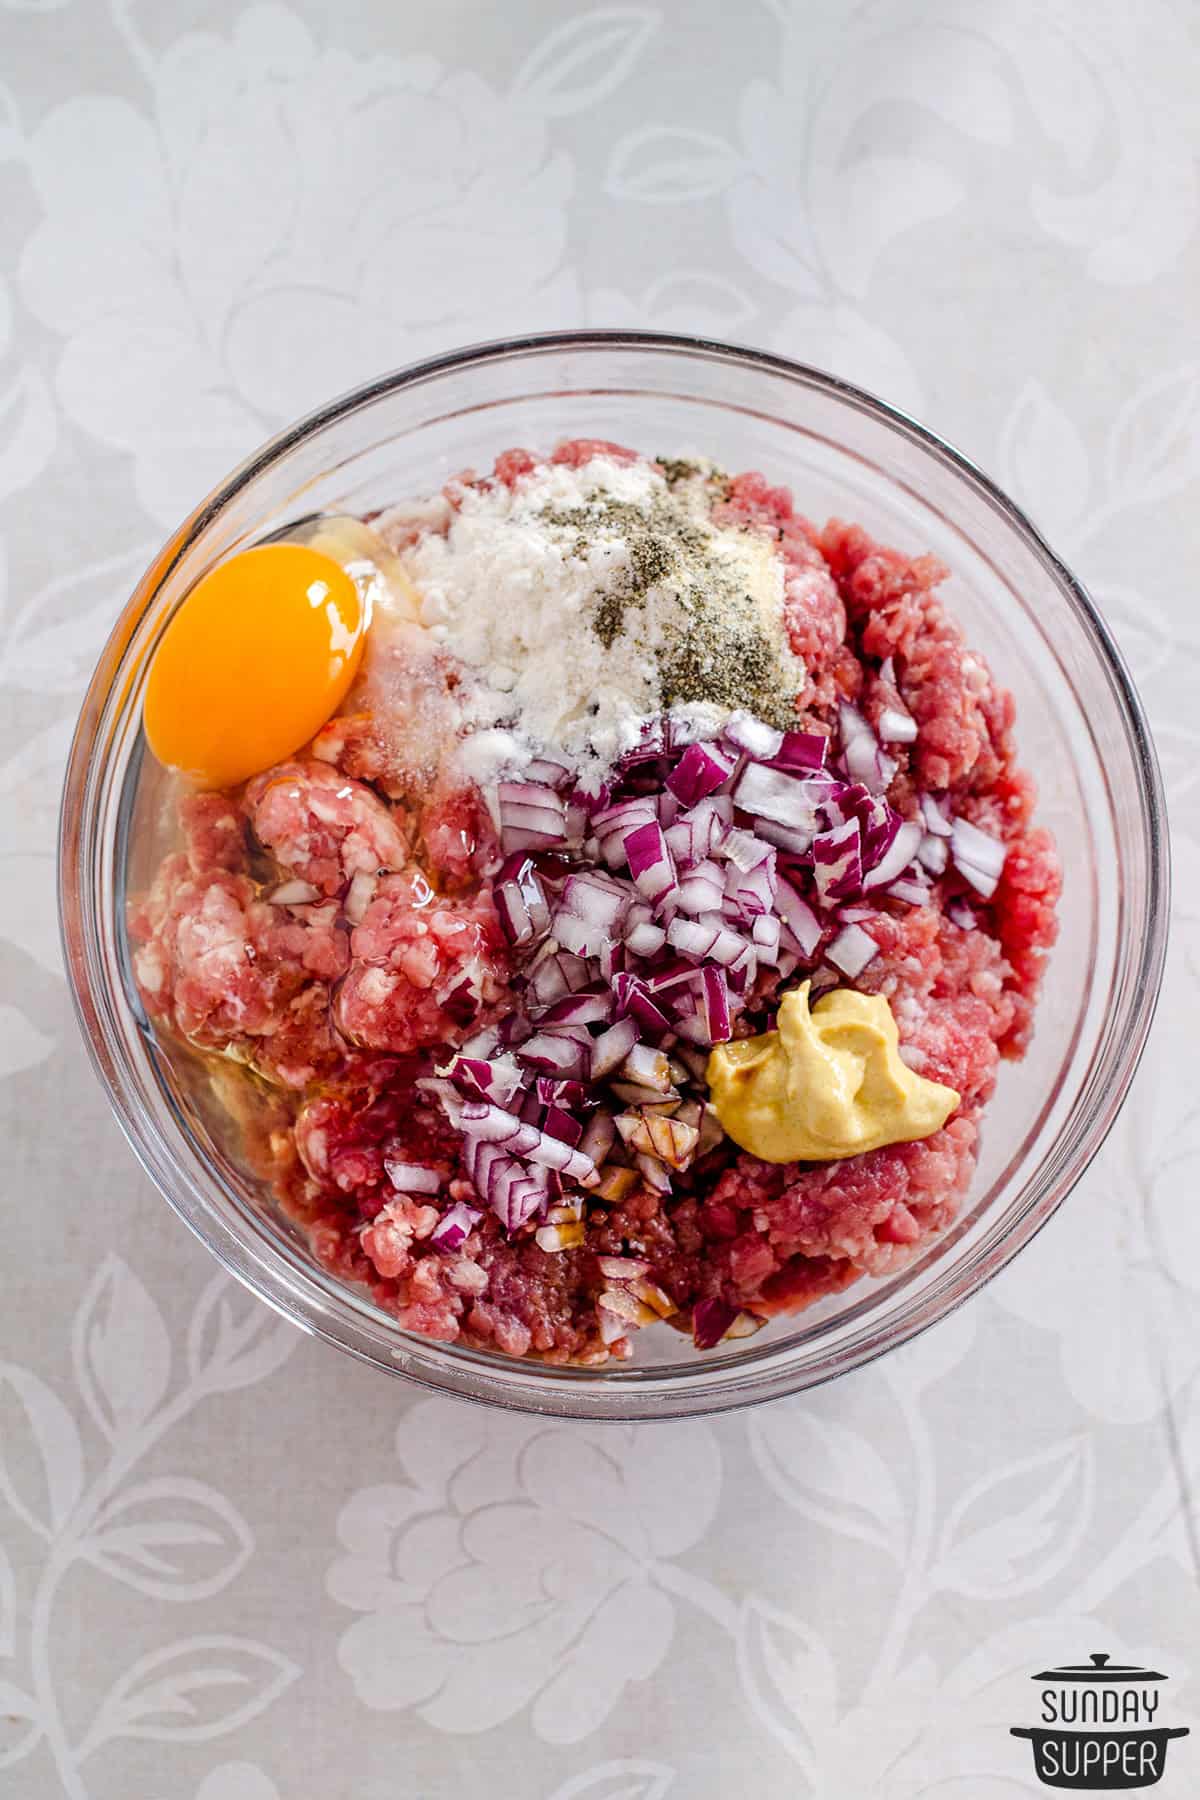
[541, 1539]
[166, 1538]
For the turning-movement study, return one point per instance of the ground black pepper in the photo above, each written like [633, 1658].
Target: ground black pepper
[725, 644]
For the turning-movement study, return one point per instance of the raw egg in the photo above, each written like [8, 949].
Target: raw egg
[258, 657]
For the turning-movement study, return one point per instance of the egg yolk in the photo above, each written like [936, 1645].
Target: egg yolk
[258, 657]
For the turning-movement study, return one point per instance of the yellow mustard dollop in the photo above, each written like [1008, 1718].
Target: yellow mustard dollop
[828, 1083]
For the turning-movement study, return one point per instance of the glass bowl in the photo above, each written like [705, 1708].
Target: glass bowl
[1081, 730]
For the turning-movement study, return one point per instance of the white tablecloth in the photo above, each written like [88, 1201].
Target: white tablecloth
[233, 1565]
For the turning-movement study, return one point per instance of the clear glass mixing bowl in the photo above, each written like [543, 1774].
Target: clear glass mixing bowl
[1081, 730]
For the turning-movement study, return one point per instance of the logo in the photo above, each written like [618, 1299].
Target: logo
[1100, 1726]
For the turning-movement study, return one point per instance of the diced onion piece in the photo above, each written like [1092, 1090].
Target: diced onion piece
[837, 861]
[411, 1178]
[705, 939]
[937, 820]
[775, 794]
[904, 847]
[577, 1009]
[896, 725]
[648, 1067]
[701, 890]
[644, 939]
[765, 935]
[556, 1238]
[914, 892]
[649, 861]
[700, 771]
[745, 1325]
[851, 950]
[802, 750]
[978, 857]
[669, 1139]
[744, 850]
[556, 1053]
[615, 1185]
[653, 1172]
[549, 772]
[623, 1268]
[960, 912]
[611, 1048]
[656, 1298]
[784, 837]
[625, 1306]
[864, 759]
[933, 853]
[600, 1134]
[752, 736]
[455, 1226]
[711, 1320]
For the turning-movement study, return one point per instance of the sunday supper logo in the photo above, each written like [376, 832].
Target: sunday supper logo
[1099, 1726]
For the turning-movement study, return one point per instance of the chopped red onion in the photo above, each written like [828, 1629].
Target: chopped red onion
[960, 912]
[700, 771]
[649, 861]
[702, 889]
[904, 847]
[864, 759]
[624, 1268]
[798, 918]
[612, 1047]
[559, 1123]
[914, 893]
[597, 900]
[654, 1173]
[837, 861]
[455, 1226]
[411, 1178]
[577, 1009]
[711, 1319]
[557, 1054]
[599, 1137]
[978, 857]
[785, 837]
[851, 950]
[708, 938]
[499, 1079]
[647, 1067]
[751, 736]
[802, 750]
[633, 1001]
[752, 893]
[775, 794]
[549, 772]
[645, 939]
[933, 853]
[714, 1000]
[744, 850]
[896, 726]
[764, 934]
[576, 935]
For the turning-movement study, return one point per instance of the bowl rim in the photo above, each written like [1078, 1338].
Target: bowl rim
[536, 1388]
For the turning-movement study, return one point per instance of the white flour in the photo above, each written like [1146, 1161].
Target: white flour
[547, 591]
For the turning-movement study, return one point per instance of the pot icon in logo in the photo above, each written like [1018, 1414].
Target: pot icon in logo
[1099, 1726]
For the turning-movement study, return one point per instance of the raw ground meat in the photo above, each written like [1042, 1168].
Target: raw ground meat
[345, 992]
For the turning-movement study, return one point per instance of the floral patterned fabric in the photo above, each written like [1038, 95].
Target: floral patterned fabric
[234, 1566]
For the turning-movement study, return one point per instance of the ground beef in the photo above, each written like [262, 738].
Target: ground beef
[425, 969]
[330, 925]
[323, 827]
